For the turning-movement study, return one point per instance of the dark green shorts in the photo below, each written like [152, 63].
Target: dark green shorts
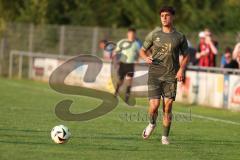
[159, 88]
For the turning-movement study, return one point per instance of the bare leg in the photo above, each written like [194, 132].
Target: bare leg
[167, 115]
[119, 84]
[153, 113]
[153, 110]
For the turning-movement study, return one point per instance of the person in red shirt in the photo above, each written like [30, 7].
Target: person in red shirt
[202, 51]
[213, 51]
[206, 50]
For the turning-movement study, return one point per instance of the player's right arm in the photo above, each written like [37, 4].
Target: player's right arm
[145, 57]
[147, 44]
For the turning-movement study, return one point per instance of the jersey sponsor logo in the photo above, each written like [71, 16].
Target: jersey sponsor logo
[161, 49]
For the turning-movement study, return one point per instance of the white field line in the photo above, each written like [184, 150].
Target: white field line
[211, 118]
[204, 117]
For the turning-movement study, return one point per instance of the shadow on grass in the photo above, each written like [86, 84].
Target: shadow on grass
[206, 141]
[22, 130]
[25, 142]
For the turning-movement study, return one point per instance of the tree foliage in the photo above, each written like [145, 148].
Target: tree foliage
[219, 15]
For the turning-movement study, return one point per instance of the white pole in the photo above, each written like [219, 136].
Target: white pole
[20, 63]
[95, 41]
[30, 50]
[10, 65]
[1, 54]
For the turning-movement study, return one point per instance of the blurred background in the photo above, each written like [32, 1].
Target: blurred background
[73, 27]
[36, 36]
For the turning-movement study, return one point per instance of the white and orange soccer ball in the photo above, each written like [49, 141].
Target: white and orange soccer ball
[60, 134]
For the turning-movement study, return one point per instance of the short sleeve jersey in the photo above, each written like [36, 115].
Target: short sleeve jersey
[129, 51]
[165, 50]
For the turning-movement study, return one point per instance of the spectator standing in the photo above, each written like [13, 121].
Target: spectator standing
[230, 63]
[202, 51]
[238, 58]
[212, 45]
[207, 50]
[236, 51]
[223, 59]
[107, 50]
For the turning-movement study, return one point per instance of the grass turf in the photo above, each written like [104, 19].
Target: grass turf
[27, 116]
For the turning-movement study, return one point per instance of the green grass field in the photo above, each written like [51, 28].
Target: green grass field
[27, 116]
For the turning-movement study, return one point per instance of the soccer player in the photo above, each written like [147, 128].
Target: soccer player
[167, 44]
[128, 53]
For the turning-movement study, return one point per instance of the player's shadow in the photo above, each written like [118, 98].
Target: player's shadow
[17, 136]
[108, 136]
[21, 130]
[25, 142]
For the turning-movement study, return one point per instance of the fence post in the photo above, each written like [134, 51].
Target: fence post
[1, 54]
[20, 63]
[30, 50]
[95, 41]
[10, 65]
[62, 40]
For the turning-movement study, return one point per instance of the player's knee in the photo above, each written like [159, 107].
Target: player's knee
[153, 108]
[168, 106]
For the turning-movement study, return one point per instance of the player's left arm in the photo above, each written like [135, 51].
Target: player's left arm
[184, 60]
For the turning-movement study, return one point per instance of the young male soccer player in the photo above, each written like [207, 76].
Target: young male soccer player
[164, 69]
[128, 50]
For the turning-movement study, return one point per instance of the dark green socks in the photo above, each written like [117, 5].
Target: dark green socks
[166, 130]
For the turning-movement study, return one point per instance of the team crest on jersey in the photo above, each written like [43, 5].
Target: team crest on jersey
[158, 39]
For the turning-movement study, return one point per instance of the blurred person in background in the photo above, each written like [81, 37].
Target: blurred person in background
[128, 51]
[212, 45]
[107, 49]
[236, 51]
[207, 50]
[202, 51]
[223, 59]
[238, 59]
[230, 63]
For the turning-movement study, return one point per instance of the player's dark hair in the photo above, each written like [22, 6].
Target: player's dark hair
[132, 30]
[167, 9]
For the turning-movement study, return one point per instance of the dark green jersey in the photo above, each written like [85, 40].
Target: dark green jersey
[165, 49]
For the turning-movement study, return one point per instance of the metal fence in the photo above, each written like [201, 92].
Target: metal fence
[71, 40]
[17, 67]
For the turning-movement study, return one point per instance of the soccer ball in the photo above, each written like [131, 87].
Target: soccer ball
[60, 134]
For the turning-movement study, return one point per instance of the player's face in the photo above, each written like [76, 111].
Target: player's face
[166, 19]
[131, 35]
